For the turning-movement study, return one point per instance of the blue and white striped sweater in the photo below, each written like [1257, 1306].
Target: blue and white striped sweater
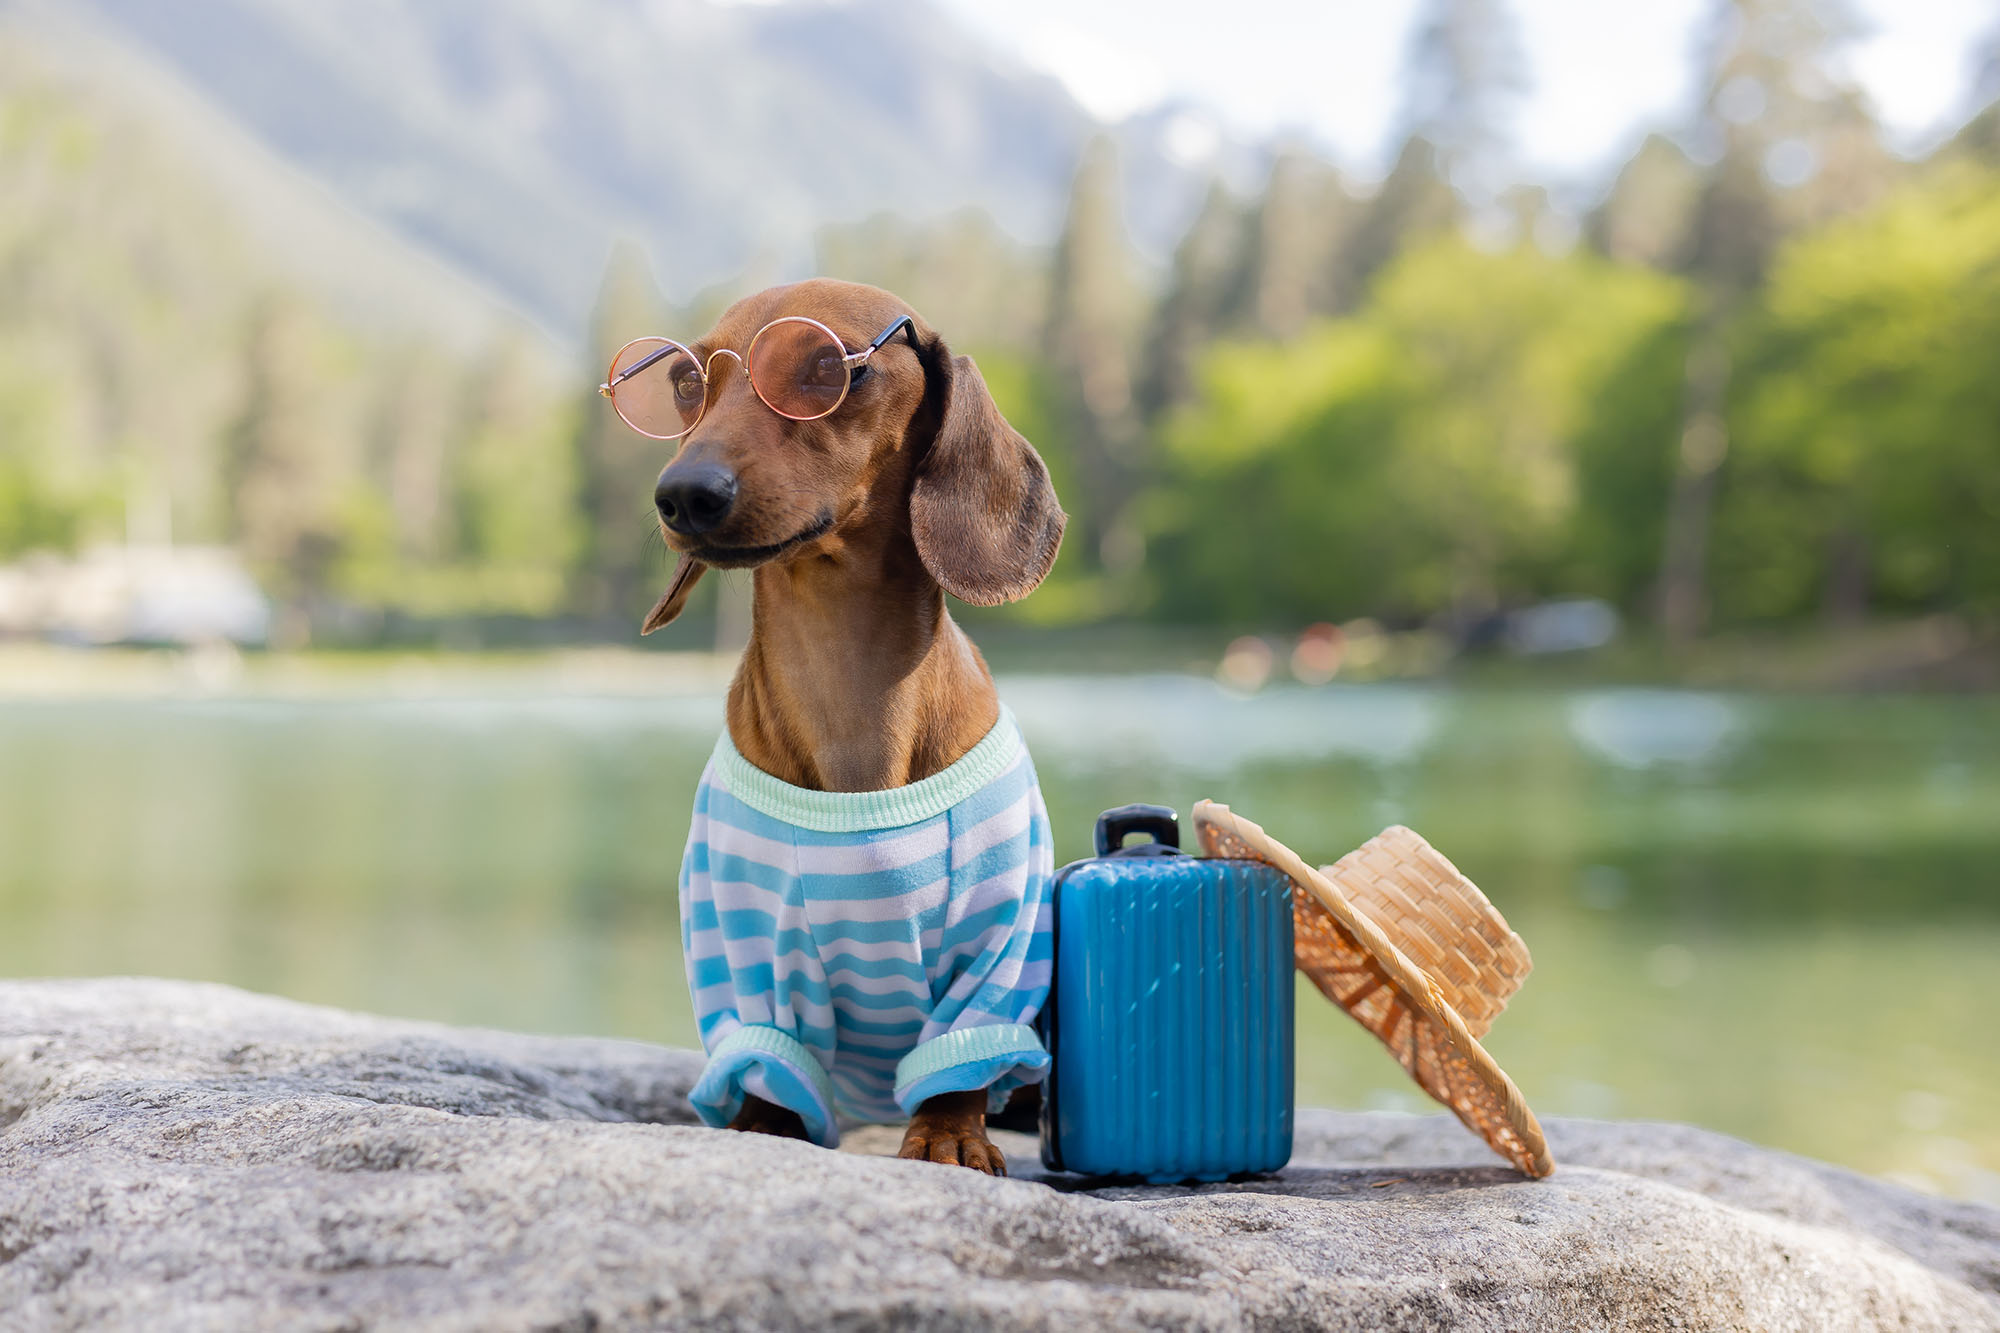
[865, 951]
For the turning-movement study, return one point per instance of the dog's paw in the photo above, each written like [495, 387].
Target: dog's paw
[761, 1117]
[953, 1146]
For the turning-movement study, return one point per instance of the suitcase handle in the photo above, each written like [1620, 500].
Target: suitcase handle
[1158, 821]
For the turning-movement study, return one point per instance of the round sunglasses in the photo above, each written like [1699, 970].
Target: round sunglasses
[798, 366]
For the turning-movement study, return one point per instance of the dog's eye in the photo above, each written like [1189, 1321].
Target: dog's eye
[687, 386]
[824, 371]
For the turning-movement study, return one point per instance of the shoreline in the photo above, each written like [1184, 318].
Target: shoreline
[1927, 656]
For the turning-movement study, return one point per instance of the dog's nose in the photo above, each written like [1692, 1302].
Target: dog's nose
[695, 498]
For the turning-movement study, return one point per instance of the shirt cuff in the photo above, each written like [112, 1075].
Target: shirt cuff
[997, 1056]
[772, 1064]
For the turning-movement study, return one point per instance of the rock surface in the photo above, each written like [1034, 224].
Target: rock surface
[186, 1156]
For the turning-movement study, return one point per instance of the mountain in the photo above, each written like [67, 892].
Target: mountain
[516, 139]
[191, 174]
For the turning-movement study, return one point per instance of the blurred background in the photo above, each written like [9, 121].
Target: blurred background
[1569, 430]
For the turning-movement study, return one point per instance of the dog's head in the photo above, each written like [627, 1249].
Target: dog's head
[917, 447]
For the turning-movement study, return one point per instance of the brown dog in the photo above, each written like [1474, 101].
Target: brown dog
[856, 524]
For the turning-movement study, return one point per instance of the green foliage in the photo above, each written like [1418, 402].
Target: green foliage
[1624, 471]
[516, 476]
[499, 486]
[1869, 414]
[1334, 406]
[282, 466]
[1425, 454]
[100, 303]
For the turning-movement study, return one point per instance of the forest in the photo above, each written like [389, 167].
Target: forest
[1747, 381]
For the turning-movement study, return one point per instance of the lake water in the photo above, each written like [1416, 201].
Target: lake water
[1775, 916]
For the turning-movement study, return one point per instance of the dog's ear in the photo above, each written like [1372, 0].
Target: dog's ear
[686, 574]
[982, 510]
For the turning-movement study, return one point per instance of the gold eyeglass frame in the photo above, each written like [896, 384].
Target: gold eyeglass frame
[852, 364]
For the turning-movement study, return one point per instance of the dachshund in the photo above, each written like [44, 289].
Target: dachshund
[865, 889]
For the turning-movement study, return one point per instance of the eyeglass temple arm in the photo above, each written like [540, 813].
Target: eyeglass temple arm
[880, 340]
[604, 389]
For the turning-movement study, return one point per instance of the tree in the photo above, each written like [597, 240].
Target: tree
[1867, 460]
[1261, 273]
[285, 468]
[968, 279]
[1647, 216]
[1465, 74]
[511, 485]
[1414, 204]
[1094, 310]
[615, 464]
[1289, 272]
[411, 455]
[1790, 142]
[1421, 456]
[1195, 305]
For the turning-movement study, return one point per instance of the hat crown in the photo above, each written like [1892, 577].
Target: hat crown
[1439, 919]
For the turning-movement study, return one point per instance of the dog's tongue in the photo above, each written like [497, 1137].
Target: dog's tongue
[685, 575]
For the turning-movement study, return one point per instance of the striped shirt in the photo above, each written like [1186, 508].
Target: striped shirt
[861, 952]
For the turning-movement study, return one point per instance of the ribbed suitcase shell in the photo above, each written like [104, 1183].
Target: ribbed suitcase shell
[1169, 1022]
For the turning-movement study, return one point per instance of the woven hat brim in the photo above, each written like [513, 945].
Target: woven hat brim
[1361, 970]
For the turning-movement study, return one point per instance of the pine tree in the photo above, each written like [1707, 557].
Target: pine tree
[1290, 271]
[1093, 314]
[1647, 217]
[616, 465]
[966, 276]
[1207, 264]
[411, 449]
[1261, 273]
[1414, 202]
[283, 474]
[511, 483]
[1466, 73]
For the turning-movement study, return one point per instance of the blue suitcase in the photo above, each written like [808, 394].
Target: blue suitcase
[1169, 1020]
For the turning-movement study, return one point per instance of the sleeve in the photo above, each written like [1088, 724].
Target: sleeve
[759, 1023]
[994, 962]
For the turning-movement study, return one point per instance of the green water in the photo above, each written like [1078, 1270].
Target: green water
[1779, 917]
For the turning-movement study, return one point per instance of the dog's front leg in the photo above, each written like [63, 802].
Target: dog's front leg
[951, 1128]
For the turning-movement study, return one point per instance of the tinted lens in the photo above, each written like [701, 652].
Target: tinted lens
[657, 387]
[798, 368]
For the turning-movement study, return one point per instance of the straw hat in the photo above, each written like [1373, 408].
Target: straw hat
[1397, 937]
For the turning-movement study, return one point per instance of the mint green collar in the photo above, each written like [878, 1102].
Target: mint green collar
[862, 811]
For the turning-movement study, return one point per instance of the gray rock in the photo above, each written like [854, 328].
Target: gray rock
[190, 1157]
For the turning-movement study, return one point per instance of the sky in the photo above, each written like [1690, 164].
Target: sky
[1602, 72]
